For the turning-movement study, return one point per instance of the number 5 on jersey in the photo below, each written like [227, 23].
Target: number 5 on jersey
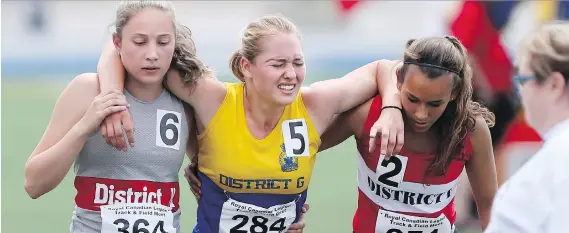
[168, 129]
[295, 135]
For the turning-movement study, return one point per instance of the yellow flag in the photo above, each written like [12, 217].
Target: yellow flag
[547, 10]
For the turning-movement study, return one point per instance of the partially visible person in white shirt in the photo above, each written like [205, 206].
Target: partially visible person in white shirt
[536, 197]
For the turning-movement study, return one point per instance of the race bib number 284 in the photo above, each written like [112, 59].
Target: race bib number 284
[137, 218]
[239, 217]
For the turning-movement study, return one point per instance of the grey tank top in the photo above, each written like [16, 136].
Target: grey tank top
[147, 173]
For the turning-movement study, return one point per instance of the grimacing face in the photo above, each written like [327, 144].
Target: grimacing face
[147, 45]
[424, 99]
[278, 71]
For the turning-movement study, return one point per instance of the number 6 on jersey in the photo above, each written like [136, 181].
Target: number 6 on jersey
[168, 129]
[295, 135]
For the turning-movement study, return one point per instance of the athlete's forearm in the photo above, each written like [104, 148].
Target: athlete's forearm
[387, 84]
[337, 132]
[110, 70]
[44, 171]
[337, 95]
[484, 214]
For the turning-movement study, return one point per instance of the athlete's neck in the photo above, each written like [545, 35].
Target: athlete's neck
[141, 91]
[262, 116]
[421, 142]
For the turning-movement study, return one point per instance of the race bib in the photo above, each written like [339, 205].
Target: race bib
[390, 222]
[137, 218]
[295, 136]
[239, 217]
[391, 172]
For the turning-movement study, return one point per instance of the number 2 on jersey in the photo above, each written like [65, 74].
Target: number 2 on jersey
[390, 172]
[168, 129]
[295, 135]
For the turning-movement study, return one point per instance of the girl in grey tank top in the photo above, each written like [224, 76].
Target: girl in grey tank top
[134, 190]
[112, 185]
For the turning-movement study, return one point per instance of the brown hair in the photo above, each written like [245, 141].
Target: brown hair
[184, 58]
[548, 49]
[266, 26]
[437, 56]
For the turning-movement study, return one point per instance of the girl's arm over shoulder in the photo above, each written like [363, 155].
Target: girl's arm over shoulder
[76, 114]
[205, 96]
[192, 144]
[110, 69]
[481, 170]
[327, 98]
[111, 75]
[337, 132]
[345, 125]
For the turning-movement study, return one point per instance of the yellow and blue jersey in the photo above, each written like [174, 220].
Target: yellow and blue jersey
[249, 184]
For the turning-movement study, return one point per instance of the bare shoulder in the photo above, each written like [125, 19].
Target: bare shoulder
[313, 100]
[307, 96]
[211, 79]
[480, 127]
[88, 82]
[78, 95]
[84, 85]
[206, 88]
[216, 86]
[86, 79]
[481, 135]
[317, 104]
[69, 108]
[73, 102]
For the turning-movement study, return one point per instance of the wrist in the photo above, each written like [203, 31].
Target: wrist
[395, 108]
[79, 131]
[392, 99]
[111, 87]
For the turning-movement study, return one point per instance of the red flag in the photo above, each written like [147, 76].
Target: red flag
[347, 5]
[520, 131]
[478, 26]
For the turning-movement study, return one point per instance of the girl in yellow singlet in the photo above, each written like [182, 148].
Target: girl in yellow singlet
[258, 138]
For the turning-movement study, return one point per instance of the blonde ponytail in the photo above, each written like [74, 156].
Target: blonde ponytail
[235, 65]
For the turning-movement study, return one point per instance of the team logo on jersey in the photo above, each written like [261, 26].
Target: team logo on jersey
[288, 163]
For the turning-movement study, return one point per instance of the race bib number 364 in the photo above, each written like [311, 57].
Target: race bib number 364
[137, 218]
[239, 217]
